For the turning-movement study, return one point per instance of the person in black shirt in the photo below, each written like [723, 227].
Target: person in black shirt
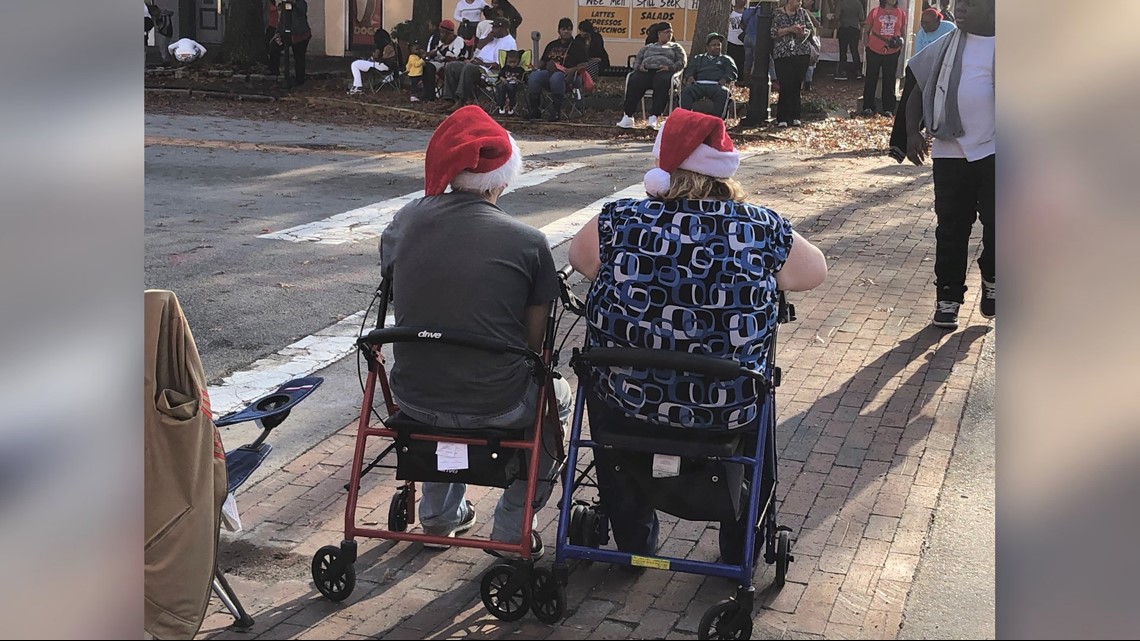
[561, 58]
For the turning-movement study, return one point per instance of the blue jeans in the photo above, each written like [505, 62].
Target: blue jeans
[543, 79]
[442, 505]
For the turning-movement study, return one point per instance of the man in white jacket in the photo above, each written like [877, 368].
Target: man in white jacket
[186, 50]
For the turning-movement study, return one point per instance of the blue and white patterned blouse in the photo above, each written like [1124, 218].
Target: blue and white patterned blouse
[695, 276]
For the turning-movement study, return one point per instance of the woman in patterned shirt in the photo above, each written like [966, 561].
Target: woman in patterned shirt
[791, 31]
[692, 268]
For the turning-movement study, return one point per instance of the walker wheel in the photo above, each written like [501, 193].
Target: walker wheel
[718, 622]
[783, 556]
[584, 526]
[398, 511]
[548, 599]
[505, 606]
[333, 578]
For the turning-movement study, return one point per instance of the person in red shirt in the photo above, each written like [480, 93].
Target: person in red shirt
[884, 35]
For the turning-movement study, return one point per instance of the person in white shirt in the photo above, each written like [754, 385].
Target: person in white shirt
[472, 12]
[460, 76]
[953, 98]
[186, 50]
[735, 41]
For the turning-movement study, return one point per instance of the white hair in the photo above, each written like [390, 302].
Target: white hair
[491, 180]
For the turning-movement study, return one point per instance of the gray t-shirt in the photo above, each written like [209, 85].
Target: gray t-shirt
[463, 264]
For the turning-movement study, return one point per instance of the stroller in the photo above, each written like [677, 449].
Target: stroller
[492, 457]
[693, 476]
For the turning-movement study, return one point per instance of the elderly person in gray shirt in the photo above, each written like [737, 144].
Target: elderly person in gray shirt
[653, 69]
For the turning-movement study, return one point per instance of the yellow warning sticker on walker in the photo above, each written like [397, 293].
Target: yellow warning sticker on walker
[646, 562]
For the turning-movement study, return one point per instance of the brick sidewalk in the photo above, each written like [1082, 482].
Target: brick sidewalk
[868, 415]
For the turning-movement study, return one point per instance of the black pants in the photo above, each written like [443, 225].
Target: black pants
[849, 41]
[888, 65]
[429, 82]
[642, 81]
[736, 52]
[790, 72]
[963, 192]
[297, 50]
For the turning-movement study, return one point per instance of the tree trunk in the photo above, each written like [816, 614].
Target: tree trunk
[424, 10]
[712, 15]
[243, 44]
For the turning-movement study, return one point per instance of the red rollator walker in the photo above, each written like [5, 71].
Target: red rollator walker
[495, 457]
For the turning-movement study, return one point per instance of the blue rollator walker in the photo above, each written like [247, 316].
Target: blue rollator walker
[682, 472]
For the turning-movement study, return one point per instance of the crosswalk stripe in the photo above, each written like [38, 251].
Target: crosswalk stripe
[365, 223]
[333, 343]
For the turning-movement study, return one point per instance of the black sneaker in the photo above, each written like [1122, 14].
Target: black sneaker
[989, 298]
[463, 526]
[946, 314]
[536, 550]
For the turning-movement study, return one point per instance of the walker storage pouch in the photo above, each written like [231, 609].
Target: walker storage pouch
[700, 490]
[488, 465]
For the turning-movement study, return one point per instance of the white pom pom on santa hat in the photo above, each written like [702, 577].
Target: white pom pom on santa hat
[470, 152]
[693, 141]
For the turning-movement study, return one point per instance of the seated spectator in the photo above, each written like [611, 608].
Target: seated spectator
[507, 10]
[709, 76]
[384, 58]
[561, 58]
[933, 27]
[460, 76]
[448, 47]
[598, 52]
[186, 50]
[719, 300]
[653, 69]
[507, 88]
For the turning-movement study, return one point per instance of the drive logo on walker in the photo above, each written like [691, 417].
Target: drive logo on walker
[427, 334]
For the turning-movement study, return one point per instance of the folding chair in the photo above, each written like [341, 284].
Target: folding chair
[674, 92]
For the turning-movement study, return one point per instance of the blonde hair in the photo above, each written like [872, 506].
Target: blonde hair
[688, 185]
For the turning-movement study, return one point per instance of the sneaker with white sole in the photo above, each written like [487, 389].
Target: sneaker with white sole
[946, 314]
[355, 90]
[796, 123]
[781, 124]
[502, 111]
[626, 122]
[536, 550]
[415, 98]
[989, 298]
[652, 122]
[464, 525]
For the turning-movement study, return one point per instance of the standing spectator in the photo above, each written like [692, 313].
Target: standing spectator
[953, 97]
[414, 69]
[709, 75]
[598, 51]
[467, 15]
[560, 60]
[460, 76]
[448, 48]
[735, 40]
[884, 33]
[186, 50]
[653, 69]
[945, 11]
[271, 15]
[749, 21]
[851, 16]
[791, 30]
[932, 28]
[812, 8]
[299, 42]
[507, 10]
[163, 31]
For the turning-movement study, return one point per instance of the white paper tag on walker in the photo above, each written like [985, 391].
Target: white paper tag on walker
[666, 466]
[450, 456]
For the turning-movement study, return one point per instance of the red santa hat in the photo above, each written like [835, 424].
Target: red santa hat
[693, 141]
[470, 152]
